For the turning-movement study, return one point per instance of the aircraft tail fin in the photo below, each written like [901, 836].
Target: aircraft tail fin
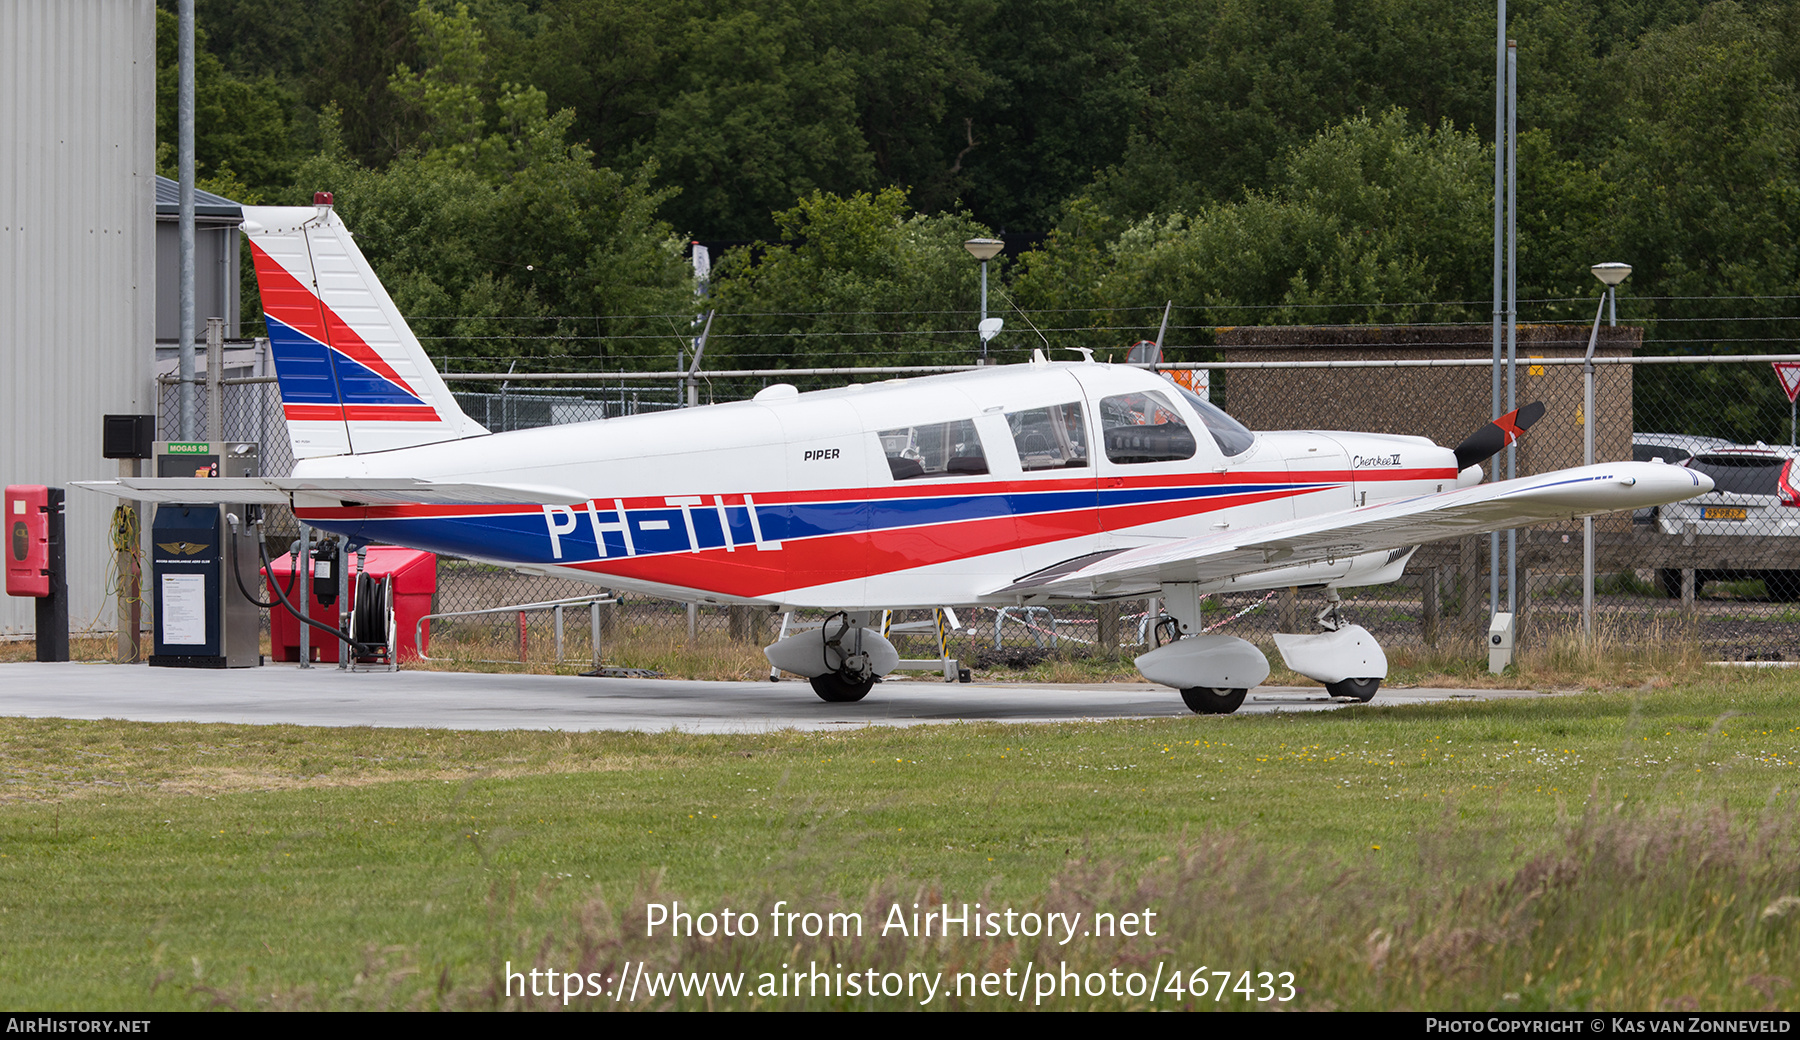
[352, 376]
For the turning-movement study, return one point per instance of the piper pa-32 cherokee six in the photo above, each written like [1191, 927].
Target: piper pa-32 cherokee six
[1036, 483]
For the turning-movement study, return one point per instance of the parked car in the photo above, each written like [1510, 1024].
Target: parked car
[1673, 448]
[1756, 494]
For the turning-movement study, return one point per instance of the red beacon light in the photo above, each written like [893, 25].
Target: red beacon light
[321, 198]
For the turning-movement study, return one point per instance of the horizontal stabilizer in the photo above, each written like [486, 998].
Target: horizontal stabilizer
[320, 491]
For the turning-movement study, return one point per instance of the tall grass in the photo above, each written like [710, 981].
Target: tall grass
[1621, 910]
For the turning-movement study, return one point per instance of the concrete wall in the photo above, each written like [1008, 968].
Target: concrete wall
[216, 248]
[1444, 404]
[77, 260]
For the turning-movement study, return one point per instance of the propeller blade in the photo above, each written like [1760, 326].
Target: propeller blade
[1486, 442]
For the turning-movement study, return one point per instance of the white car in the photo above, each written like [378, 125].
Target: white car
[1673, 448]
[1756, 494]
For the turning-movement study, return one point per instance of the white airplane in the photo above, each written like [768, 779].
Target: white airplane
[1021, 484]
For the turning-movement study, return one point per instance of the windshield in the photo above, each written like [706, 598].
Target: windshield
[1233, 437]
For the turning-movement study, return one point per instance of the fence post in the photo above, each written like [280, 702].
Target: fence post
[128, 540]
[1522, 606]
[747, 624]
[1468, 582]
[1106, 626]
[594, 631]
[559, 633]
[1690, 589]
[1430, 607]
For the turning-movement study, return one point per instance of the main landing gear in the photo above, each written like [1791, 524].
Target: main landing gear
[1345, 657]
[843, 658]
[1205, 700]
[834, 688]
[1216, 672]
[1356, 689]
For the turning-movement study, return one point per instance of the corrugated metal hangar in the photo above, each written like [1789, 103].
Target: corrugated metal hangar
[77, 260]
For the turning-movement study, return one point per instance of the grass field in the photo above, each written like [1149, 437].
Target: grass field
[1615, 850]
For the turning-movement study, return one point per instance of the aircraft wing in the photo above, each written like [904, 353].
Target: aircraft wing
[1562, 495]
[329, 491]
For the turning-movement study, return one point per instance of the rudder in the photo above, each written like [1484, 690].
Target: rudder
[352, 376]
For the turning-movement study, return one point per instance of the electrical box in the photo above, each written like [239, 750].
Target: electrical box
[127, 436]
[27, 540]
[207, 458]
[1500, 643]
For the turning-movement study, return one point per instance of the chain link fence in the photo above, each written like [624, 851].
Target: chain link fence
[1722, 572]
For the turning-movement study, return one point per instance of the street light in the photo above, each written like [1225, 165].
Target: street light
[985, 249]
[1610, 275]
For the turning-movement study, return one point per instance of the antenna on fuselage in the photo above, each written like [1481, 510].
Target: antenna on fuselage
[1087, 353]
[1028, 321]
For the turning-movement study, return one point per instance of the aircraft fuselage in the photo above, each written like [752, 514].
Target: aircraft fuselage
[910, 493]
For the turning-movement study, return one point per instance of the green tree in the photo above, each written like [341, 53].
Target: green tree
[504, 240]
[242, 147]
[854, 280]
[1370, 221]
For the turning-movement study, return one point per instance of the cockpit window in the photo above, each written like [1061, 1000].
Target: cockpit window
[1049, 438]
[939, 450]
[1144, 427]
[1233, 437]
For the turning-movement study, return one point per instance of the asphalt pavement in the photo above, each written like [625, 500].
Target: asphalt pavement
[324, 696]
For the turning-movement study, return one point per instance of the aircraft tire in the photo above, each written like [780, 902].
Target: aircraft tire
[1357, 689]
[1204, 700]
[834, 690]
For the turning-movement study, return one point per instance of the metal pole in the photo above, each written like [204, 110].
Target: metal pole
[1499, 261]
[345, 614]
[693, 369]
[1512, 301]
[306, 594]
[594, 631]
[215, 371]
[1587, 446]
[984, 342]
[184, 159]
[262, 394]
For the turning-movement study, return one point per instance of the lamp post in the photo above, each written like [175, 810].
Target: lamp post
[1610, 275]
[984, 249]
